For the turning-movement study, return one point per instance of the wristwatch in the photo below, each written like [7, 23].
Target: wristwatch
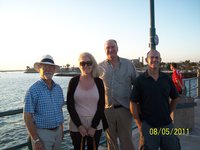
[36, 140]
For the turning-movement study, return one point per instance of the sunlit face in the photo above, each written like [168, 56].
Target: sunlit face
[85, 65]
[153, 59]
[171, 67]
[46, 71]
[111, 49]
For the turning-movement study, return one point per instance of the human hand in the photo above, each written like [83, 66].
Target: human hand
[39, 145]
[82, 130]
[183, 88]
[139, 125]
[91, 131]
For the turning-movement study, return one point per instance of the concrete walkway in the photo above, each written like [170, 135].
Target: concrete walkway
[192, 141]
[188, 142]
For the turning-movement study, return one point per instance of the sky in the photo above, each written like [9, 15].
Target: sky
[30, 29]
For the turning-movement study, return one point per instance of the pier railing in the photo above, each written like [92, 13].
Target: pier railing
[190, 92]
[28, 142]
[192, 87]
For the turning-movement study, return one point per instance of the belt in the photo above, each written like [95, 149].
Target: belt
[53, 128]
[117, 106]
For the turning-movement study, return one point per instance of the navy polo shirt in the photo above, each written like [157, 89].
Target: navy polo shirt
[153, 97]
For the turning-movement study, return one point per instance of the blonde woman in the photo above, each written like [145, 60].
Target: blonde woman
[85, 104]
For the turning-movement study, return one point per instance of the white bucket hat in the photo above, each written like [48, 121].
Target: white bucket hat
[46, 59]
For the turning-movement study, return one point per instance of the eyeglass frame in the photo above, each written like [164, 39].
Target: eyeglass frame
[84, 63]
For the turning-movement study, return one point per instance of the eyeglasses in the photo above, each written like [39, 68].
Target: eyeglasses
[83, 63]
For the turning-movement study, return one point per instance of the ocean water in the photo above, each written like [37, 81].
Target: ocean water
[13, 86]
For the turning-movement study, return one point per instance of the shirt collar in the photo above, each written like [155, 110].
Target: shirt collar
[147, 75]
[44, 84]
[119, 59]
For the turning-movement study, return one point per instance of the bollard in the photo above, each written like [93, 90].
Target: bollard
[183, 116]
[198, 83]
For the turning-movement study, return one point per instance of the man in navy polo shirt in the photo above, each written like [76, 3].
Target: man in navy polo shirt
[43, 104]
[151, 106]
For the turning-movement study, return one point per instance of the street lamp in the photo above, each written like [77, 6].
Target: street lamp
[153, 37]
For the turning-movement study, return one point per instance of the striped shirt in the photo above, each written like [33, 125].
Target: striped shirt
[45, 104]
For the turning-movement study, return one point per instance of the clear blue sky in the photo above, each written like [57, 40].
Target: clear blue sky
[65, 28]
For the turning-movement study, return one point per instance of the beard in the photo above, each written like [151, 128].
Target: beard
[48, 75]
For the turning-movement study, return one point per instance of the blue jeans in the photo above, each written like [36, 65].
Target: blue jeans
[159, 137]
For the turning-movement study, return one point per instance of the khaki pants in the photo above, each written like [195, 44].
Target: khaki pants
[120, 126]
[51, 139]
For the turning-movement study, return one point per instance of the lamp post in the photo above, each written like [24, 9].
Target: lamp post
[153, 36]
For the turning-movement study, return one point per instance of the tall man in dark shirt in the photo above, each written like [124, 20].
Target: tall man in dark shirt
[151, 107]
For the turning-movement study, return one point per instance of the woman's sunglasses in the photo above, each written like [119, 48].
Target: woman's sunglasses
[83, 63]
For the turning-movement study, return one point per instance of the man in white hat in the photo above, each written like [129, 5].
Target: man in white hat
[43, 103]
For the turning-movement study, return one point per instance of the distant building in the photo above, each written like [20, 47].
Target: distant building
[137, 63]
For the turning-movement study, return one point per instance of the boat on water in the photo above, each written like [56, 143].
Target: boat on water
[30, 70]
[63, 71]
[66, 71]
[69, 74]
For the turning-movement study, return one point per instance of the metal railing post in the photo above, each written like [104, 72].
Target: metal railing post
[198, 83]
[29, 143]
[189, 84]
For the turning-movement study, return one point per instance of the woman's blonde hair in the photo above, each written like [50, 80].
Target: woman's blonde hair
[95, 70]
